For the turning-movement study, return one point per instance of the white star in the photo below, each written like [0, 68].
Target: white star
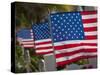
[78, 28]
[76, 31]
[57, 35]
[65, 26]
[79, 19]
[62, 29]
[69, 34]
[69, 14]
[61, 23]
[61, 38]
[51, 16]
[55, 24]
[67, 23]
[59, 32]
[57, 15]
[81, 31]
[77, 37]
[64, 20]
[66, 17]
[54, 39]
[71, 31]
[54, 18]
[66, 32]
[59, 27]
[54, 34]
[75, 25]
[74, 34]
[63, 14]
[58, 21]
[74, 19]
[68, 28]
[73, 13]
[73, 28]
[56, 30]
[72, 22]
[77, 22]
[63, 35]
[61, 18]
[70, 25]
[78, 13]
[52, 22]
[76, 16]
[80, 25]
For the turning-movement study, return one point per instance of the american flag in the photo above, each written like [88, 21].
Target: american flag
[43, 42]
[74, 36]
[25, 38]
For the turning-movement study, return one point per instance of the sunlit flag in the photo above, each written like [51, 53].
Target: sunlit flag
[74, 36]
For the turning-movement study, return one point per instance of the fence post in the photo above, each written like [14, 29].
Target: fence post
[27, 60]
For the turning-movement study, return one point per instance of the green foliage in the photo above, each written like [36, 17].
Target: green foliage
[20, 63]
[82, 62]
[28, 14]
[19, 60]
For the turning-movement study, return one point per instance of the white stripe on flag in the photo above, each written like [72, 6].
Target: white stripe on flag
[44, 50]
[91, 33]
[75, 56]
[74, 49]
[43, 40]
[28, 42]
[89, 16]
[74, 42]
[90, 25]
[43, 45]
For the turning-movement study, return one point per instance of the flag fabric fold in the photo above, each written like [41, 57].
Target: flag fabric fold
[74, 36]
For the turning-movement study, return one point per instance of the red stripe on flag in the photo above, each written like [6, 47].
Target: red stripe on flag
[41, 43]
[88, 12]
[90, 29]
[63, 63]
[41, 48]
[90, 37]
[89, 20]
[73, 45]
[76, 52]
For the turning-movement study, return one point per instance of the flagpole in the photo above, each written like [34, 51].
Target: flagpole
[49, 59]
[53, 54]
